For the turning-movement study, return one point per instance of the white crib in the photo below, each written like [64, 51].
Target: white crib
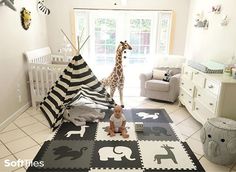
[44, 69]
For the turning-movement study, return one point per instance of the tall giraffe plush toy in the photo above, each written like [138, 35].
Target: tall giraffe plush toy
[116, 78]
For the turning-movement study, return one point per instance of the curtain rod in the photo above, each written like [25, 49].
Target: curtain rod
[119, 9]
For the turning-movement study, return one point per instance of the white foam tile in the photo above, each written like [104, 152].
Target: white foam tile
[209, 166]
[12, 135]
[158, 152]
[4, 162]
[25, 121]
[21, 144]
[102, 134]
[34, 128]
[4, 151]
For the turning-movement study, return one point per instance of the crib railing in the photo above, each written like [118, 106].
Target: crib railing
[44, 69]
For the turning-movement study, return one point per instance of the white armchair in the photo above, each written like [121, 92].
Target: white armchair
[159, 89]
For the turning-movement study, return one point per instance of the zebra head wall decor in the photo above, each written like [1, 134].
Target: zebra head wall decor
[43, 8]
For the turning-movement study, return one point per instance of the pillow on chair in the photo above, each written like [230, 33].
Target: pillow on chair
[158, 74]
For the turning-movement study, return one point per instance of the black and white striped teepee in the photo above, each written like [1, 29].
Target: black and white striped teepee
[76, 81]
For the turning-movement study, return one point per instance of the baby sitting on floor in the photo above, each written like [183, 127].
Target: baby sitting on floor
[117, 123]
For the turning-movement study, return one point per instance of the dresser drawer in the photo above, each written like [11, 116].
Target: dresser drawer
[199, 79]
[189, 102]
[212, 86]
[187, 72]
[202, 111]
[209, 99]
[186, 99]
[182, 95]
[187, 85]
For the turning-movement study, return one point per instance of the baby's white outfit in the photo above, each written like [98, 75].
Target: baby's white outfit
[117, 121]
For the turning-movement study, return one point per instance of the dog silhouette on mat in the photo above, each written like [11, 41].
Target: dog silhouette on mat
[64, 151]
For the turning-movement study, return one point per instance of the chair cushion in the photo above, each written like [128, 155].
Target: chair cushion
[158, 74]
[157, 85]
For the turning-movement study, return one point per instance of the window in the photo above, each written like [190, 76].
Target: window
[105, 40]
[148, 32]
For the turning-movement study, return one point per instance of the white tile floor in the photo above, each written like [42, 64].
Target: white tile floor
[23, 138]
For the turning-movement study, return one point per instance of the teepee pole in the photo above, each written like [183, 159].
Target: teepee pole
[84, 42]
[69, 40]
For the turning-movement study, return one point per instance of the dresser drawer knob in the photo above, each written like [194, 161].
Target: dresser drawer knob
[199, 95]
[182, 94]
[182, 83]
[210, 86]
[197, 108]
[190, 89]
[189, 101]
[210, 104]
[196, 73]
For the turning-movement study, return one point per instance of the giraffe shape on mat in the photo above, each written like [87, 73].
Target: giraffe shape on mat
[116, 78]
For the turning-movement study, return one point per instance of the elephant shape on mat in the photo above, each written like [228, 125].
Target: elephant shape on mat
[157, 131]
[115, 153]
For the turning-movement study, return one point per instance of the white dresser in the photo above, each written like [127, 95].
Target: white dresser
[207, 95]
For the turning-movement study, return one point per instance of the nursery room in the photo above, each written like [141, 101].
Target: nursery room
[118, 85]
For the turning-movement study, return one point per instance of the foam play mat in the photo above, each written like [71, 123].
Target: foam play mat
[88, 148]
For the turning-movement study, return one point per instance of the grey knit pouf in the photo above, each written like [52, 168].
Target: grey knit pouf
[218, 136]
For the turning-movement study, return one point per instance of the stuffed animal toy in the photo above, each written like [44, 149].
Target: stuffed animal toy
[167, 76]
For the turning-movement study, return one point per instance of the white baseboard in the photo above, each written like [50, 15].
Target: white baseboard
[14, 116]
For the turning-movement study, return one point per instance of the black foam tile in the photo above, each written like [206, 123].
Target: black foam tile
[157, 131]
[68, 131]
[150, 115]
[68, 154]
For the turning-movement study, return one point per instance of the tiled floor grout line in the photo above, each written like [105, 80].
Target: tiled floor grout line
[9, 130]
[31, 136]
[27, 135]
[193, 134]
[24, 125]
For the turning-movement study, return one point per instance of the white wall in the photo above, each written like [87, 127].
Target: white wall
[61, 11]
[14, 41]
[216, 43]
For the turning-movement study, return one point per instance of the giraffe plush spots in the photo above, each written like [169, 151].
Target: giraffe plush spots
[116, 78]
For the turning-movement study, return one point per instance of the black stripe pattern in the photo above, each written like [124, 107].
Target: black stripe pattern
[43, 8]
[77, 81]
